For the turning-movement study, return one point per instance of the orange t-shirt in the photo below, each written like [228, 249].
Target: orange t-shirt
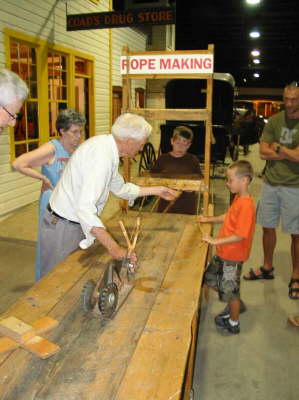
[239, 220]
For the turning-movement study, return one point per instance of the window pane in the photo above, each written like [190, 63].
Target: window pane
[80, 67]
[63, 62]
[33, 75]
[52, 118]
[57, 86]
[20, 149]
[33, 146]
[33, 90]
[62, 106]
[23, 62]
[24, 53]
[20, 127]
[15, 67]
[82, 100]
[50, 60]
[64, 93]
[63, 78]
[24, 71]
[32, 54]
[32, 120]
[13, 51]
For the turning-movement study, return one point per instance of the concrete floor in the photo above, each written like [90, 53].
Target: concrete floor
[260, 363]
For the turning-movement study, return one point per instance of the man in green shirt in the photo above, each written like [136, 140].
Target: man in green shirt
[279, 201]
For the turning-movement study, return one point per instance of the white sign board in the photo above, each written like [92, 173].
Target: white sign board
[167, 64]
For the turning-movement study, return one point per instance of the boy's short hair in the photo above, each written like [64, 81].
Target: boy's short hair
[182, 131]
[242, 168]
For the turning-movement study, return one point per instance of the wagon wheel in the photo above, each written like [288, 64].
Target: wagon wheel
[108, 299]
[233, 148]
[148, 158]
[87, 299]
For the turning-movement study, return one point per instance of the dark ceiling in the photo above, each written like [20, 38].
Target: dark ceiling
[227, 23]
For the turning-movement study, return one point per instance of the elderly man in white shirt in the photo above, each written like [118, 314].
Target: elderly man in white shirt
[72, 217]
[13, 92]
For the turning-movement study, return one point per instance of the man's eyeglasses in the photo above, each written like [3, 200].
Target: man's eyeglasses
[16, 117]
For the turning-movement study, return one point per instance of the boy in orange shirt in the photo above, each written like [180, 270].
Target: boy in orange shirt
[233, 246]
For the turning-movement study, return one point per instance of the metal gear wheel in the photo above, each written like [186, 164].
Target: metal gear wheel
[87, 300]
[108, 299]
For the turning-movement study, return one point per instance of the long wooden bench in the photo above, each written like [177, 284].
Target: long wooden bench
[146, 351]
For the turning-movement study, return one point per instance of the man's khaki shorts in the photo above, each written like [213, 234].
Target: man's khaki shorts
[279, 203]
[224, 277]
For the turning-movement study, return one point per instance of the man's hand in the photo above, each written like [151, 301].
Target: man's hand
[161, 191]
[267, 151]
[133, 258]
[166, 193]
[117, 252]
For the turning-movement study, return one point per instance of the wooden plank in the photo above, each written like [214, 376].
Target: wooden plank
[157, 368]
[41, 347]
[7, 344]
[199, 114]
[44, 325]
[40, 326]
[16, 329]
[191, 358]
[174, 183]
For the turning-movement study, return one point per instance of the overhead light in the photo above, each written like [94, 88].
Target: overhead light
[254, 34]
[256, 61]
[255, 53]
[253, 2]
[256, 75]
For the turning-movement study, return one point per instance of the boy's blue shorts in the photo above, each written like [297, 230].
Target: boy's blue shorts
[224, 276]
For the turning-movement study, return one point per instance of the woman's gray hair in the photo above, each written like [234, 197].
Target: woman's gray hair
[67, 118]
[132, 126]
[12, 88]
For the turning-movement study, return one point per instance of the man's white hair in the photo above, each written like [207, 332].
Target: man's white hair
[12, 88]
[131, 126]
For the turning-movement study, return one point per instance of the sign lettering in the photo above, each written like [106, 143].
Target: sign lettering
[120, 19]
[167, 64]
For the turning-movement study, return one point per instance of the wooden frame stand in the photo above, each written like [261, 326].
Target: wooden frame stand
[204, 114]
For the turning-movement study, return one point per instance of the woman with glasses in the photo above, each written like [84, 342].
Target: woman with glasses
[51, 157]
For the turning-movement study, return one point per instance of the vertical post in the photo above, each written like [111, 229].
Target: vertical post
[125, 108]
[208, 138]
[110, 72]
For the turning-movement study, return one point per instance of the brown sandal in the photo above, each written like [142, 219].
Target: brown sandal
[294, 321]
[265, 274]
[292, 290]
